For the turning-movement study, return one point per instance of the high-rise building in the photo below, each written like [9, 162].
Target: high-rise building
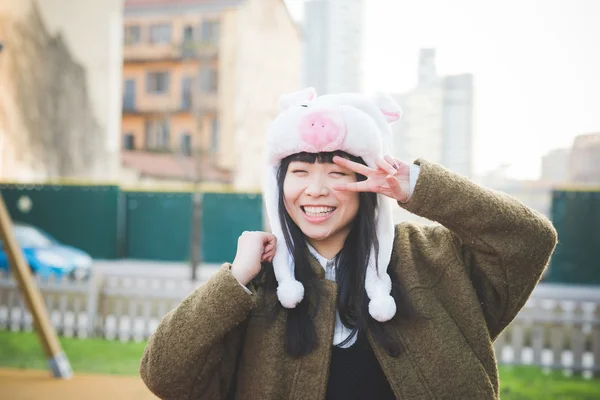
[584, 161]
[457, 125]
[437, 122]
[333, 37]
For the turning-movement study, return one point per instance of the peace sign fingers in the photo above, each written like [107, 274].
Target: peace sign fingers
[353, 166]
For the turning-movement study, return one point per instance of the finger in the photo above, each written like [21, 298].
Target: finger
[269, 248]
[268, 238]
[392, 182]
[353, 166]
[390, 160]
[362, 186]
[269, 255]
[399, 162]
[385, 166]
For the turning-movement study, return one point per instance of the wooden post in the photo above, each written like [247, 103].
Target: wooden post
[58, 362]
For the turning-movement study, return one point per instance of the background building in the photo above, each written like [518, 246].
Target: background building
[333, 45]
[457, 125]
[60, 99]
[419, 133]
[555, 166]
[584, 161]
[437, 121]
[201, 79]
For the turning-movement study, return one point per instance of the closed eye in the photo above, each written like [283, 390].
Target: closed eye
[303, 105]
[339, 173]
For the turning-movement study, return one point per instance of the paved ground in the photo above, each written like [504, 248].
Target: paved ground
[36, 385]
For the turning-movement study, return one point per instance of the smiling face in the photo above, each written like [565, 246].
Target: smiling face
[323, 214]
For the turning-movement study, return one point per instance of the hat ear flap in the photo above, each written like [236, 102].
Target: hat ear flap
[378, 284]
[290, 292]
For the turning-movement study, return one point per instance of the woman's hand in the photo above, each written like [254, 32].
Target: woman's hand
[253, 248]
[391, 177]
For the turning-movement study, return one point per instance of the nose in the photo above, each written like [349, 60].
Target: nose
[316, 188]
[322, 131]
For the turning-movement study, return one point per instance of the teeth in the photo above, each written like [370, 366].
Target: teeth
[316, 211]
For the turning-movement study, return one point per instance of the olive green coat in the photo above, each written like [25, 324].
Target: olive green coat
[470, 276]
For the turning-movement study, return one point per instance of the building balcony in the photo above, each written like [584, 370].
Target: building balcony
[156, 110]
[198, 50]
[186, 50]
[197, 103]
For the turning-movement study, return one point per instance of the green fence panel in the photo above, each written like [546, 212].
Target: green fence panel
[81, 216]
[109, 223]
[224, 217]
[576, 217]
[158, 225]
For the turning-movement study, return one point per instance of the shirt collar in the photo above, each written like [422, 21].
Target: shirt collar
[322, 260]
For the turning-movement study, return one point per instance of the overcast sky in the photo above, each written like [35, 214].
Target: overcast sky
[536, 65]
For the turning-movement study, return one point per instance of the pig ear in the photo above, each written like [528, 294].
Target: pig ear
[290, 99]
[388, 107]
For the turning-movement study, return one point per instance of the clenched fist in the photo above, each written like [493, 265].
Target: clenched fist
[253, 248]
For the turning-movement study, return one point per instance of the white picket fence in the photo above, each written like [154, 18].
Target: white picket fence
[111, 307]
[559, 328]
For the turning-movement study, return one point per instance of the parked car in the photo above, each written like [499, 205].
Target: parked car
[46, 256]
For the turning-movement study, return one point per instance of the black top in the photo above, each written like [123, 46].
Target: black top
[355, 374]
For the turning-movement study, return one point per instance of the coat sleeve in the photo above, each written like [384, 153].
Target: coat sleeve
[504, 245]
[194, 349]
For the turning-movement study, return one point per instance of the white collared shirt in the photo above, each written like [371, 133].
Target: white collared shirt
[341, 331]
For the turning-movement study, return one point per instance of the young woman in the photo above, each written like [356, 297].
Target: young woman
[336, 302]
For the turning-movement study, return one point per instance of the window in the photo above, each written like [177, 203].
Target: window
[129, 94]
[214, 136]
[185, 143]
[157, 82]
[157, 134]
[128, 141]
[208, 79]
[186, 92]
[188, 33]
[132, 34]
[160, 33]
[210, 32]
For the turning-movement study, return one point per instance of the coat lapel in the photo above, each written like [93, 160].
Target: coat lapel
[400, 371]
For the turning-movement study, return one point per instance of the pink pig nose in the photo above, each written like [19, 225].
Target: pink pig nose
[322, 131]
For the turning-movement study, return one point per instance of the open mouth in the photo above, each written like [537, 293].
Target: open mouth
[317, 211]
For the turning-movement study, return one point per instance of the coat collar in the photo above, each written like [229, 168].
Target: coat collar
[315, 265]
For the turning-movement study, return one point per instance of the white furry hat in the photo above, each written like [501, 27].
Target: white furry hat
[357, 125]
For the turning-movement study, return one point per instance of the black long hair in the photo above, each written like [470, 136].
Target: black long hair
[352, 301]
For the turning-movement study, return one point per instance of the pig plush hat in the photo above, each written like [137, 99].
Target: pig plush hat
[352, 123]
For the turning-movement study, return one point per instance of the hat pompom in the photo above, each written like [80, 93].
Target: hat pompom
[382, 308]
[290, 292]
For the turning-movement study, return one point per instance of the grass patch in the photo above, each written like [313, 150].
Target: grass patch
[23, 350]
[524, 383]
